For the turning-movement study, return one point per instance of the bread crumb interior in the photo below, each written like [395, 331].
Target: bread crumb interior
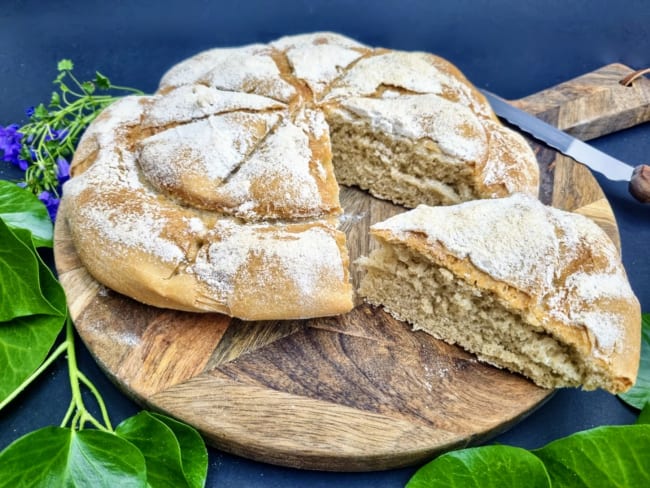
[406, 171]
[433, 299]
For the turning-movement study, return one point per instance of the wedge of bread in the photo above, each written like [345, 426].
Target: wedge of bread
[526, 287]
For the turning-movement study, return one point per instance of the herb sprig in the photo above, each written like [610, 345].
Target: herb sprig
[43, 147]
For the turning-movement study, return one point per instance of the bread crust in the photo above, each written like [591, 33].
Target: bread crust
[236, 143]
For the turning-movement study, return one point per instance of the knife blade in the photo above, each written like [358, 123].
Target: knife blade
[613, 169]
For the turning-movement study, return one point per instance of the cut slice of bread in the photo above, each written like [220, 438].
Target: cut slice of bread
[526, 287]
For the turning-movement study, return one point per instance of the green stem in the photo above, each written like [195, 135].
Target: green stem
[81, 415]
[74, 423]
[74, 78]
[64, 97]
[72, 364]
[68, 414]
[52, 357]
[98, 398]
[86, 417]
[135, 91]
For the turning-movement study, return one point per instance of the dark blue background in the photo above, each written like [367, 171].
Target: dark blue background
[511, 47]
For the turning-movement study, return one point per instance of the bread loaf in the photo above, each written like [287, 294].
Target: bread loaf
[526, 287]
[218, 193]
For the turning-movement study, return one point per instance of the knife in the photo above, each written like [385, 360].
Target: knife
[638, 177]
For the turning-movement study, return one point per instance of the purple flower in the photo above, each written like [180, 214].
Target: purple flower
[62, 170]
[10, 146]
[29, 111]
[51, 203]
[56, 135]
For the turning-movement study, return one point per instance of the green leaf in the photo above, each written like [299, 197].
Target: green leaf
[65, 65]
[160, 448]
[24, 345]
[88, 87]
[20, 208]
[639, 394]
[50, 288]
[102, 81]
[63, 87]
[483, 467]
[40, 112]
[54, 456]
[644, 416]
[33, 313]
[55, 100]
[612, 456]
[194, 455]
[27, 286]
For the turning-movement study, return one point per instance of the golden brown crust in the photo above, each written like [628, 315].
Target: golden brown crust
[233, 148]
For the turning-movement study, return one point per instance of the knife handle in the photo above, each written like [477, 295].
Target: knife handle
[640, 183]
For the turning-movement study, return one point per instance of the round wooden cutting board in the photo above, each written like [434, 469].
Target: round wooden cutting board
[356, 392]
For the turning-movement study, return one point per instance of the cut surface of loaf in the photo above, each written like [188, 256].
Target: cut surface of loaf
[219, 193]
[526, 287]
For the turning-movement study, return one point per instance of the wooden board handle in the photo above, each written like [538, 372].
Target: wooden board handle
[594, 104]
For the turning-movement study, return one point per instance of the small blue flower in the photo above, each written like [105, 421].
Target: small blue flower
[56, 135]
[29, 111]
[62, 170]
[10, 146]
[51, 203]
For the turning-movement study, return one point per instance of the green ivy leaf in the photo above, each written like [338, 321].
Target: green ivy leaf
[27, 285]
[34, 314]
[644, 416]
[612, 456]
[194, 455]
[20, 208]
[24, 344]
[161, 450]
[483, 467]
[65, 65]
[54, 456]
[639, 394]
[50, 289]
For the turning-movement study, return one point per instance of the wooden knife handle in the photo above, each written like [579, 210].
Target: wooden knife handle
[640, 183]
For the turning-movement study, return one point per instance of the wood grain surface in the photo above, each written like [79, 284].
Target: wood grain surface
[355, 392]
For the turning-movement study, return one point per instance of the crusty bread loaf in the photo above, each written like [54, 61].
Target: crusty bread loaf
[218, 192]
[526, 287]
